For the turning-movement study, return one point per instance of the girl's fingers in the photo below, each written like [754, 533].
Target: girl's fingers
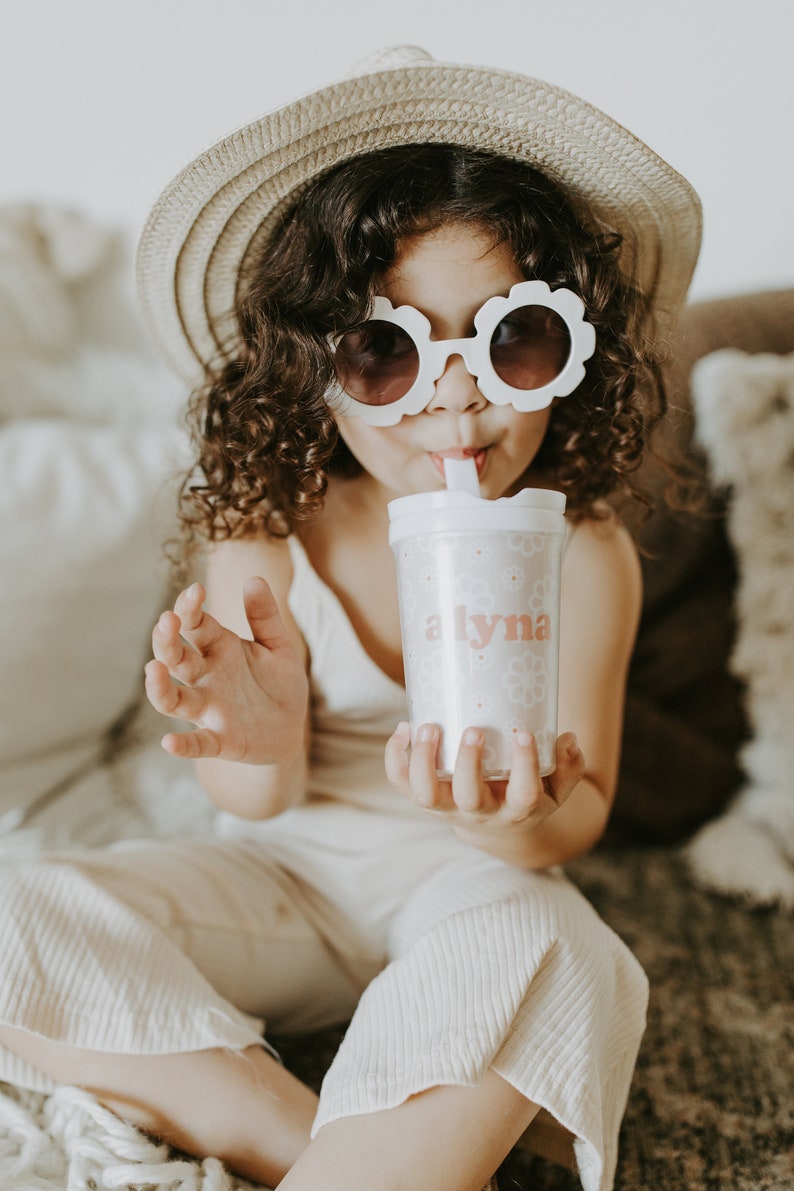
[524, 788]
[263, 615]
[427, 790]
[502, 803]
[570, 767]
[189, 602]
[470, 793]
[178, 702]
[160, 690]
[201, 743]
[416, 777]
[196, 625]
[396, 757]
[181, 638]
[181, 659]
[424, 783]
[527, 791]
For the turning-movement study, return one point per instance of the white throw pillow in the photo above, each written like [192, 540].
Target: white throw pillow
[84, 510]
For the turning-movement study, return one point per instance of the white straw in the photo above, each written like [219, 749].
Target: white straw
[461, 475]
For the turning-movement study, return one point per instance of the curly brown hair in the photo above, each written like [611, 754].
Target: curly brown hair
[265, 437]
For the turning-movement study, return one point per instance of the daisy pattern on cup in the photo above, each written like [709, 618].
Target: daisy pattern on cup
[526, 679]
[480, 703]
[474, 592]
[428, 578]
[513, 578]
[431, 679]
[479, 551]
[407, 601]
[542, 593]
[526, 543]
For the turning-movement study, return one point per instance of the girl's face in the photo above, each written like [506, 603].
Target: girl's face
[448, 274]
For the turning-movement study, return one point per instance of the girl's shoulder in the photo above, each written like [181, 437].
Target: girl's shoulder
[230, 557]
[601, 555]
[601, 601]
[604, 528]
[229, 563]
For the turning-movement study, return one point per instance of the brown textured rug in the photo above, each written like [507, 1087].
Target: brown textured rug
[712, 1104]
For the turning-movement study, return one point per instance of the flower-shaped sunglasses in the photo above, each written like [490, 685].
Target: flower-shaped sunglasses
[528, 348]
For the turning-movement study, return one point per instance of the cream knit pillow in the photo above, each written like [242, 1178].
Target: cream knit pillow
[745, 421]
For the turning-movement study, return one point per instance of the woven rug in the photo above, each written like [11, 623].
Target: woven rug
[711, 1107]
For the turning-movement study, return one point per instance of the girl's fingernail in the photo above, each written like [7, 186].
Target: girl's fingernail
[426, 733]
[573, 749]
[473, 736]
[524, 739]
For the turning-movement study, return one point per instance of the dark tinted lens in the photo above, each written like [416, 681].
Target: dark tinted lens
[530, 347]
[377, 362]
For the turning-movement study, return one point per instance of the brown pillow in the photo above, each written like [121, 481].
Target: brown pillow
[685, 719]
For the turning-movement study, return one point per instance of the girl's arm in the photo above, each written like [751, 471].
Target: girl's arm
[235, 667]
[600, 609]
[534, 822]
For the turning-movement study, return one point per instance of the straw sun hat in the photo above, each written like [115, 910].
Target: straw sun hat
[220, 208]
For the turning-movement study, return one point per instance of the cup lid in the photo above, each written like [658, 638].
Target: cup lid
[446, 498]
[533, 510]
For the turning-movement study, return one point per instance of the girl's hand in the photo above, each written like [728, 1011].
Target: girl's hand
[519, 804]
[247, 699]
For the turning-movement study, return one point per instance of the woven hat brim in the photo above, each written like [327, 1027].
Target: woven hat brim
[225, 203]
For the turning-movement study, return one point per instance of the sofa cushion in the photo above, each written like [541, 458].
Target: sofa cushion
[89, 438]
[745, 419]
[84, 510]
[685, 716]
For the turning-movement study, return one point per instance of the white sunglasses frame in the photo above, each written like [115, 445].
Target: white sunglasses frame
[475, 352]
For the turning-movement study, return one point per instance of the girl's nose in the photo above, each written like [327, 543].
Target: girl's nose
[456, 390]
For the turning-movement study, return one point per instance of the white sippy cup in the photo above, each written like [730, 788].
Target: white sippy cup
[479, 597]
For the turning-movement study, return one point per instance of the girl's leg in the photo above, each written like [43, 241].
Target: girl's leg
[504, 987]
[449, 1138]
[143, 974]
[240, 1106]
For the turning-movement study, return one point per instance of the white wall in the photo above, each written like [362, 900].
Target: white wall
[102, 101]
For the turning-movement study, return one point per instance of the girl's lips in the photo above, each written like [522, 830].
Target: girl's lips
[479, 456]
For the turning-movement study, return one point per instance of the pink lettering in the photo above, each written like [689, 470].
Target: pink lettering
[518, 628]
[543, 627]
[479, 628]
[484, 627]
[433, 628]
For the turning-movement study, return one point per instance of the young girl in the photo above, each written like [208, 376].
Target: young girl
[487, 1000]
